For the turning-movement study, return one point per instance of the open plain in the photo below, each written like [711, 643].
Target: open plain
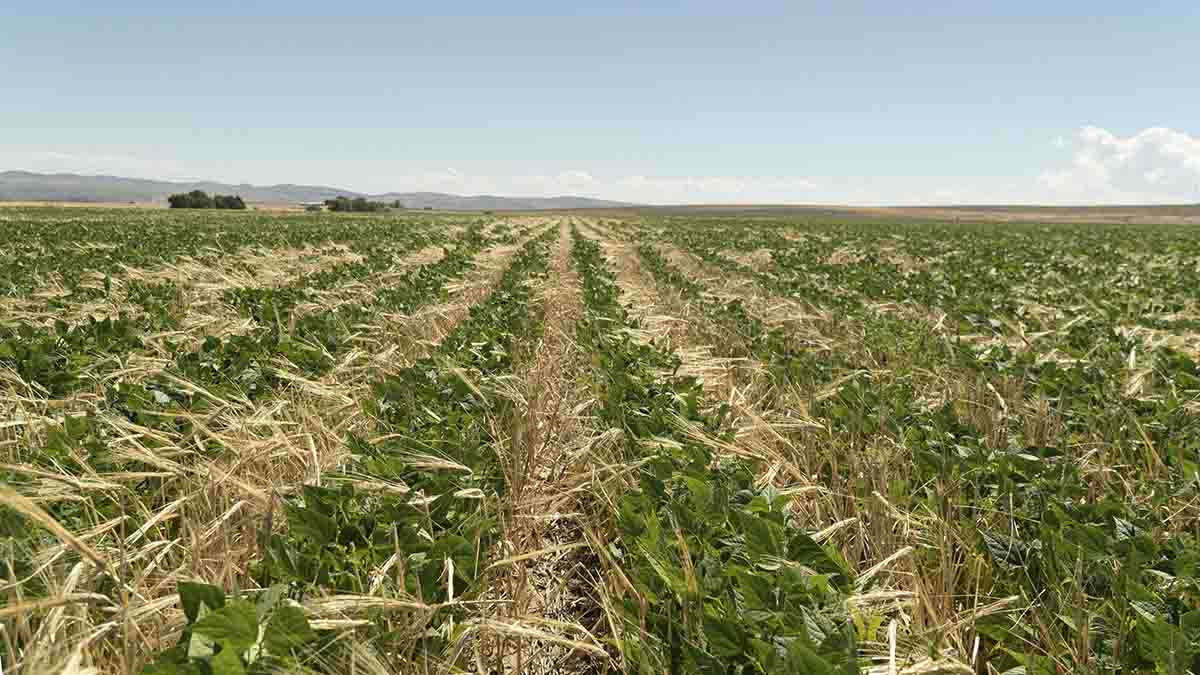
[586, 442]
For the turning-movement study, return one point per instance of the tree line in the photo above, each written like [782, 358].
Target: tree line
[359, 205]
[199, 199]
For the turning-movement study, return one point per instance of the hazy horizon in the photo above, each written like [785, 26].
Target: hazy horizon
[776, 103]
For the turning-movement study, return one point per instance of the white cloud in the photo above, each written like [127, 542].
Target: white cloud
[1094, 166]
[572, 181]
[947, 194]
[576, 178]
[579, 182]
[1155, 165]
[794, 184]
[715, 189]
[446, 179]
[567, 182]
[438, 179]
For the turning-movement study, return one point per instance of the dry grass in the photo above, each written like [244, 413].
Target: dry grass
[361, 292]
[773, 430]
[199, 283]
[706, 351]
[550, 620]
[918, 559]
[201, 518]
[208, 497]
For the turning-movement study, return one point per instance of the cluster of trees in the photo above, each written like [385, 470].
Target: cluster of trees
[359, 205]
[199, 199]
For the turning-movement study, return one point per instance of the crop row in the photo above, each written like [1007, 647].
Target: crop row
[1042, 275]
[185, 405]
[411, 519]
[712, 575]
[206, 380]
[75, 247]
[61, 359]
[1024, 504]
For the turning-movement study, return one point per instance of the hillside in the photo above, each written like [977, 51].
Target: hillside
[65, 187]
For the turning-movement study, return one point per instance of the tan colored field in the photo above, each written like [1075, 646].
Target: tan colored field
[1184, 214]
[1142, 215]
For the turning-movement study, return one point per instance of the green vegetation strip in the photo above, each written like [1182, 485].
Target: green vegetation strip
[201, 382]
[65, 358]
[189, 401]
[412, 520]
[1025, 505]
[718, 578]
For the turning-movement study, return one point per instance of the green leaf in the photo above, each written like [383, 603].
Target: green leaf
[306, 523]
[802, 659]
[233, 626]
[724, 637]
[287, 631]
[171, 668]
[268, 599]
[201, 647]
[228, 662]
[192, 594]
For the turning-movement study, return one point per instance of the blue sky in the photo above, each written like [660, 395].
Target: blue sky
[785, 102]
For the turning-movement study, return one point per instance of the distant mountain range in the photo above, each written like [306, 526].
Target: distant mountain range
[66, 187]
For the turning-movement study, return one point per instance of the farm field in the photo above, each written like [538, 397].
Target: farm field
[560, 443]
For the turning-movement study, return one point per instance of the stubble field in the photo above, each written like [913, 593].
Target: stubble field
[262, 442]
